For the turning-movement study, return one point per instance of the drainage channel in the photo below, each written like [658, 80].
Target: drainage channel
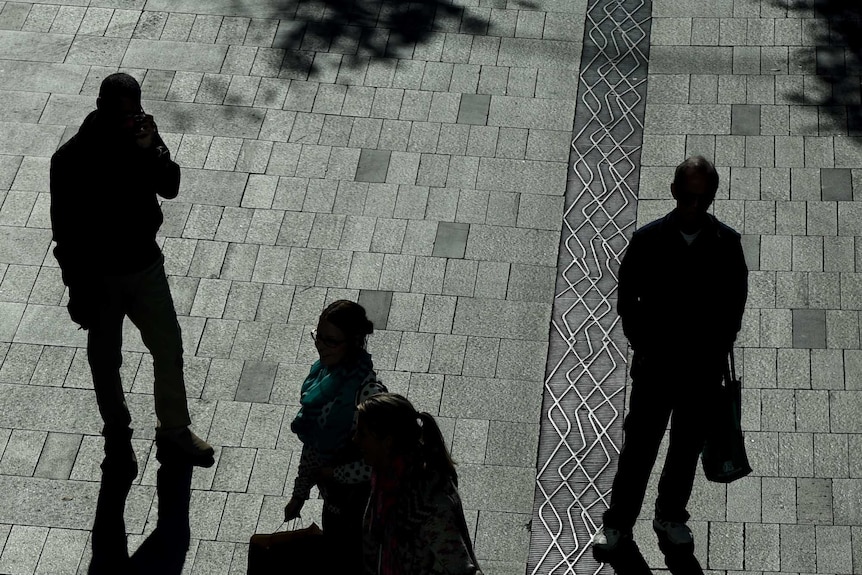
[581, 422]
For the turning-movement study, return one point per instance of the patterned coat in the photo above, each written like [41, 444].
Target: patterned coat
[428, 523]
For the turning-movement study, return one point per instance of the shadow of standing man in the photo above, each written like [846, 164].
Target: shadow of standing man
[164, 551]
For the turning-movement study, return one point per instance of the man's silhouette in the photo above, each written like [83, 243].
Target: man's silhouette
[683, 283]
[105, 216]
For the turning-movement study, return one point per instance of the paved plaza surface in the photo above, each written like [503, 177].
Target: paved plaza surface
[419, 158]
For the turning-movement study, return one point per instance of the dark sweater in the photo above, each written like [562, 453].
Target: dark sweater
[104, 210]
[676, 298]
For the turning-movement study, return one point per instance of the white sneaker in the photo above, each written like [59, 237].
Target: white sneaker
[676, 533]
[608, 539]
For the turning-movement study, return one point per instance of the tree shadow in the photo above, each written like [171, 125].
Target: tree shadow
[835, 58]
[164, 550]
[361, 29]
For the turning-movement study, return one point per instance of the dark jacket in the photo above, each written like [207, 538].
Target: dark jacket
[104, 210]
[678, 299]
[427, 521]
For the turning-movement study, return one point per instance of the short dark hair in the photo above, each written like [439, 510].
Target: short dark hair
[350, 318]
[697, 165]
[119, 85]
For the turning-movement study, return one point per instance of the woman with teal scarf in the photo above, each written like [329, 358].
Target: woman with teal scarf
[338, 382]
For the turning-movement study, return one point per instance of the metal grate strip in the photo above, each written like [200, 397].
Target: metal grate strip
[581, 426]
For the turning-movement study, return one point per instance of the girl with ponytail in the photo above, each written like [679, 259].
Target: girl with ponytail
[414, 523]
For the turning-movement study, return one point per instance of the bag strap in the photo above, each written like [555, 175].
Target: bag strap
[730, 368]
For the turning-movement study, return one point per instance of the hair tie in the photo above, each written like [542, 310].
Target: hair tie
[419, 421]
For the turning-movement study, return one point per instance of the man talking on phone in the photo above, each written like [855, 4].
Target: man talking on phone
[105, 216]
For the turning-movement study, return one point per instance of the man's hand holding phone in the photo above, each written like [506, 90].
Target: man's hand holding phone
[145, 130]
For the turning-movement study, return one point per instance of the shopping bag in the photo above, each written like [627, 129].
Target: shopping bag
[724, 459]
[291, 552]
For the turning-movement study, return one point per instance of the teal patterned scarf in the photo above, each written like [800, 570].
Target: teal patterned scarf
[328, 404]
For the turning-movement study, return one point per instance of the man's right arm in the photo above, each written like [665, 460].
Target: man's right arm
[63, 214]
[629, 305]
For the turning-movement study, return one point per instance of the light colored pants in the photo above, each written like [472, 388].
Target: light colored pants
[145, 297]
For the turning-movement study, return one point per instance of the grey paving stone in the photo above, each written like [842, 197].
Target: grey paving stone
[796, 551]
[472, 205]
[537, 247]
[213, 557]
[234, 467]
[468, 444]
[451, 240]
[835, 184]
[373, 165]
[22, 452]
[830, 455]
[814, 501]
[762, 549]
[19, 363]
[496, 489]
[474, 109]
[62, 552]
[23, 546]
[513, 444]
[778, 501]
[726, 549]
[834, 552]
[240, 517]
[525, 176]
[414, 353]
[479, 397]
[269, 472]
[745, 120]
[58, 455]
[428, 275]
[377, 305]
[30, 139]
[437, 314]
[842, 406]
[809, 328]
[255, 384]
[796, 454]
[250, 340]
[503, 536]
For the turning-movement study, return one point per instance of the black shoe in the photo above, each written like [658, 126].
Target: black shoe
[181, 440]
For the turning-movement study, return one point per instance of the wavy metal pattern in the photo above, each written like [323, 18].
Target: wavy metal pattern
[581, 428]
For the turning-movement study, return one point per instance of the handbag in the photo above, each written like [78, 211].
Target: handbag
[724, 459]
[292, 552]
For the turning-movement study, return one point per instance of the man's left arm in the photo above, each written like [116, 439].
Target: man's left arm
[163, 172]
[737, 284]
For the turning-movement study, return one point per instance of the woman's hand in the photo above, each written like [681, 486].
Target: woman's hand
[292, 509]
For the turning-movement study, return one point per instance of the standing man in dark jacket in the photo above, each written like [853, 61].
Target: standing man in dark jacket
[683, 283]
[105, 216]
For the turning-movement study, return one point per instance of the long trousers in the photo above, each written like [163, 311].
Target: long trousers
[144, 297]
[342, 532]
[662, 392]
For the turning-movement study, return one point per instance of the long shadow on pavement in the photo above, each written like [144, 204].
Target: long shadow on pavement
[164, 550]
[837, 60]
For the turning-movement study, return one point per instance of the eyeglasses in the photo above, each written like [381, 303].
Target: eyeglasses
[325, 341]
